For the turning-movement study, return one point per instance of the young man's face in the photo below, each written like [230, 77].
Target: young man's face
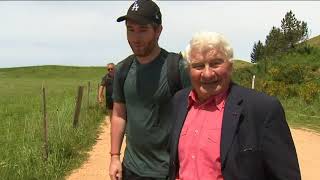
[210, 73]
[142, 38]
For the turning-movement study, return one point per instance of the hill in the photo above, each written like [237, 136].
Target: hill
[315, 41]
[239, 64]
[53, 71]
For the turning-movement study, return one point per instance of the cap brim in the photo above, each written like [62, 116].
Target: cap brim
[122, 18]
[136, 18]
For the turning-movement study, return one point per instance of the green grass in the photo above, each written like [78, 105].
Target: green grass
[239, 64]
[301, 114]
[21, 123]
[315, 41]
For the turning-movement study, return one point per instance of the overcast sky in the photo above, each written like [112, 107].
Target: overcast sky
[84, 33]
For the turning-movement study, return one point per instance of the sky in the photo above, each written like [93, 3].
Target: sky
[85, 33]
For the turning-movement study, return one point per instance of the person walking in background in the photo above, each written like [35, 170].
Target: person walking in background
[143, 85]
[223, 131]
[106, 87]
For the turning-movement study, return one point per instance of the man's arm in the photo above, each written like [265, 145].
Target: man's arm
[118, 125]
[101, 94]
[101, 89]
[278, 147]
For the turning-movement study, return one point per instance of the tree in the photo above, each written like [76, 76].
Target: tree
[294, 31]
[281, 40]
[275, 42]
[257, 52]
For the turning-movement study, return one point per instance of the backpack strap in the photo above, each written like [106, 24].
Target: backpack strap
[124, 69]
[173, 73]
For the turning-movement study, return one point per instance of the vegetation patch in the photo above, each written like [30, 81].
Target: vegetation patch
[21, 120]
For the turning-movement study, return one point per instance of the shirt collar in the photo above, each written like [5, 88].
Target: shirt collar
[217, 100]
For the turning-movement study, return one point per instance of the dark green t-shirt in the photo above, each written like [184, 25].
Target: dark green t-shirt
[146, 95]
[107, 82]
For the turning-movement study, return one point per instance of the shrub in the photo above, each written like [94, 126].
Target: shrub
[309, 91]
[289, 73]
[276, 88]
[242, 77]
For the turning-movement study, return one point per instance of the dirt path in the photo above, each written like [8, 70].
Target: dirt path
[307, 145]
[96, 167]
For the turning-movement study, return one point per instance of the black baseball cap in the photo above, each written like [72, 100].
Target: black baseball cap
[143, 12]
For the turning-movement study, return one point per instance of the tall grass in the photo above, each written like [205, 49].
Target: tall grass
[21, 123]
[301, 114]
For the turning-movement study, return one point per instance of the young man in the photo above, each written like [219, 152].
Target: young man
[141, 98]
[107, 84]
[223, 131]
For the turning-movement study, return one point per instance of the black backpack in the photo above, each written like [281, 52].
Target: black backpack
[173, 73]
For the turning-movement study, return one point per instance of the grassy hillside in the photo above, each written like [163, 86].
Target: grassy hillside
[21, 137]
[295, 79]
[315, 41]
[239, 64]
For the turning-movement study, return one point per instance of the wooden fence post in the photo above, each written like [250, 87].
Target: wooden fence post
[252, 84]
[78, 106]
[98, 93]
[88, 99]
[45, 124]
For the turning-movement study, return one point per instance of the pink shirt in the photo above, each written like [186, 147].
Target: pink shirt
[199, 143]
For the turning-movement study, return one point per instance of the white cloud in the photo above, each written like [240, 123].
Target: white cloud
[86, 33]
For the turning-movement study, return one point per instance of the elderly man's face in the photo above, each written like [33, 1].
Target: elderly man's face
[110, 69]
[210, 73]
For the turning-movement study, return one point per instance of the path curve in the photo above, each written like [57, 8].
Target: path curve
[96, 167]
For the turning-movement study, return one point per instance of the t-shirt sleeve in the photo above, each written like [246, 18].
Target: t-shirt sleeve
[117, 94]
[184, 75]
[103, 81]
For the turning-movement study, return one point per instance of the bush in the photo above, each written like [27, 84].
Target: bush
[305, 49]
[242, 76]
[309, 91]
[275, 88]
[289, 73]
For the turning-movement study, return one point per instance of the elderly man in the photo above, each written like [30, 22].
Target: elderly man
[106, 83]
[223, 130]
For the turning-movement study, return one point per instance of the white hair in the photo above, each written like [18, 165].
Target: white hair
[203, 42]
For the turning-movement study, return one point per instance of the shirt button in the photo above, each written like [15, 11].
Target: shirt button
[193, 156]
[196, 131]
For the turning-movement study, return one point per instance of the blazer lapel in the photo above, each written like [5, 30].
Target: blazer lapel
[182, 110]
[230, 121]
[181, 113]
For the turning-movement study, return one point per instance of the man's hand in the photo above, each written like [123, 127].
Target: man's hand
[100, 99]
[115, 168]
[100, 95]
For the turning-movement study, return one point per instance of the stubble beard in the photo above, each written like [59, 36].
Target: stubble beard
[145, 51]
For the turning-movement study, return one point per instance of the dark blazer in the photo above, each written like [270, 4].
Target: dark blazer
[256, 142]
